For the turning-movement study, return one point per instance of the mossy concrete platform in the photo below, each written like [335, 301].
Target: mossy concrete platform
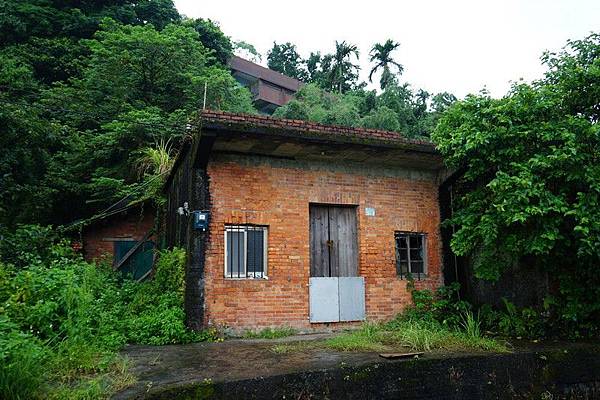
[250, 369]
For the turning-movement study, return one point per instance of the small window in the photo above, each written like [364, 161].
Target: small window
[245, 251]
[411, 255]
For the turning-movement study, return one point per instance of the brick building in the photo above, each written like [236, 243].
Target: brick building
[125, 238]
[292, 223]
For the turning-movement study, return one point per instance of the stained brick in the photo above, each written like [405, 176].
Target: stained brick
[279, 196]
[98, 243]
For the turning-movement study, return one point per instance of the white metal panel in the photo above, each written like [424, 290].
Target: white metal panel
[324, 300]
[352, 298]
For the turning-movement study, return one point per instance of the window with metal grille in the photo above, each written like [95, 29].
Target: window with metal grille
[411, 255]
[245, 251]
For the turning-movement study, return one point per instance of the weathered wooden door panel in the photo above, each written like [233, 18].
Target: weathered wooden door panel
[343, 234]
[351, 298]
[324, 300]
[333, 241]
[319, 236]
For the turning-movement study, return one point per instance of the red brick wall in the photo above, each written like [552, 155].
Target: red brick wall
[98, 238]
[278, 194]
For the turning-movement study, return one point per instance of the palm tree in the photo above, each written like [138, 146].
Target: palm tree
[341, 65]
[381, 56]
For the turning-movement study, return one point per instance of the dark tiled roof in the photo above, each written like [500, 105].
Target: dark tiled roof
[309, 130]
[258, 71]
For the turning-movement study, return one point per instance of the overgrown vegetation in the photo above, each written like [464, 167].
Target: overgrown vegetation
[435, 321]
[529, 192]
[334, 94]
[444, 307]
[94, 99]
[439, 320]
[62, 320]
[270, 333]
[86, 85]
[397, 108]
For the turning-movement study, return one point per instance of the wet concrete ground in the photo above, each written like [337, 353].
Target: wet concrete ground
[232, 360]
[162, 370]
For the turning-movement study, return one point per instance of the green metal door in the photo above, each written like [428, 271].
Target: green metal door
[139, 263]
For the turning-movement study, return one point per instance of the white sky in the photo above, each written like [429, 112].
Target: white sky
[458, 46]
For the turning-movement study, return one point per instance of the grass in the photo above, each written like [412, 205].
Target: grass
[79, 370]
[94, 383]
[270, 333]
[286, 348]
[415, 336]
[368, 338]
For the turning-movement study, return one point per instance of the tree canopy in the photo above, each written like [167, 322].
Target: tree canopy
[285, 59]
[344, 100]
[397, 108]
[529, 190]
[87, 87]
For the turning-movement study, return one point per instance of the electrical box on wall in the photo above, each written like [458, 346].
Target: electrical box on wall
[200, 220]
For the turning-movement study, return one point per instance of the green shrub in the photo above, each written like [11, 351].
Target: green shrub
[62, 319]
[21, 362]
[471, 326]
[442, 305]
[30, 245]
[514, 322]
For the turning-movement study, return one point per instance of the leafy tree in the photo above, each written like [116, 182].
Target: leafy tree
[23, 19]
[139, 88]
[313, 103]
[71, 148]
[441, 101]
[381, 56]
[141, 64]
[529, 192]
[318, 69]
[247, 51]
[399, 99]
[397, 108]
[212, 37]
[381, 118]
[285, 59]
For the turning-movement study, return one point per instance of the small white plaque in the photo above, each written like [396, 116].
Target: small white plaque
[369, 211]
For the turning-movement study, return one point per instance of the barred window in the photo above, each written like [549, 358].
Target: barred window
[411, 255]
[245, 251]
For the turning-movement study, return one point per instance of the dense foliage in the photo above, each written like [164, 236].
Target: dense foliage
[85, 86]
[444, 307]
[62, 319]
[529, 191]
[397, 108]
[334, 94]
[333, 72]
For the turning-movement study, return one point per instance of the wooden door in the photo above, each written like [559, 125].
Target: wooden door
[333, 241]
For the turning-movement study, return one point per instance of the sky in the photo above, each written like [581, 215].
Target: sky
[459, 46]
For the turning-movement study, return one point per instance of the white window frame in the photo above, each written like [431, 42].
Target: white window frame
[244, 229]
